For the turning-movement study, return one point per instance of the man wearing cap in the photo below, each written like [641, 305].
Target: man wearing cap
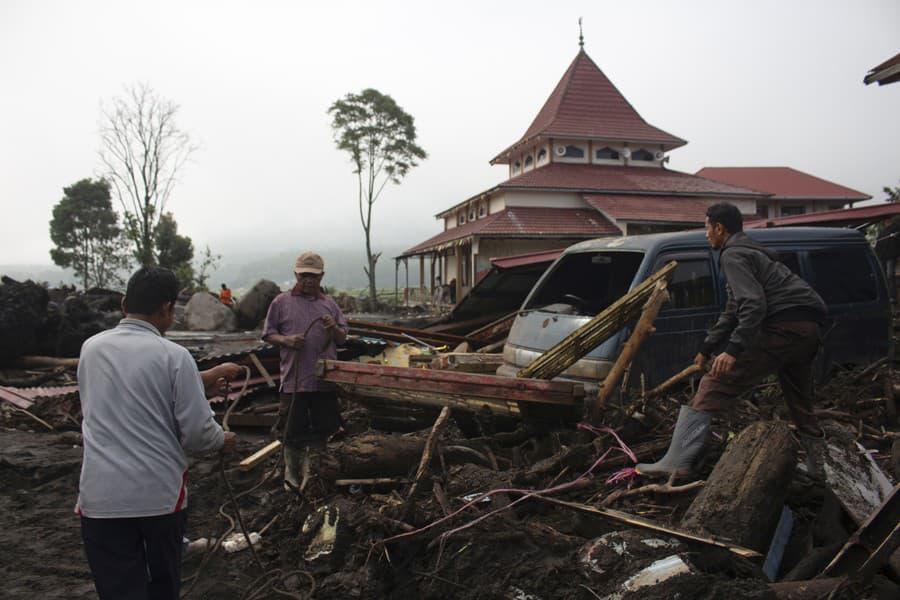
[308, 326]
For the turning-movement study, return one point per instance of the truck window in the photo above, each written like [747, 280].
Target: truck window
[843, 275]
[790, 260]
[691, 285]
[588, 281]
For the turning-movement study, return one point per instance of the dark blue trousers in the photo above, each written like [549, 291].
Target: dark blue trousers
[136, 558]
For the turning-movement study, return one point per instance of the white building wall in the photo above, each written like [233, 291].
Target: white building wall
[544, 199]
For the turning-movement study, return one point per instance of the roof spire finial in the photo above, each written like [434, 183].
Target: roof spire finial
[580, 35]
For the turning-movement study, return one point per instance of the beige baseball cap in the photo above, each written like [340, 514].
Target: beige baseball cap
[309, 262]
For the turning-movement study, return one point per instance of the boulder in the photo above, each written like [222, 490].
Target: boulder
[204, 312]
[252, 308]
[23, 312]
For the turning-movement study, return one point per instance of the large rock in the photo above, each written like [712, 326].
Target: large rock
[23, 312]
[252, 308]
[204, 312]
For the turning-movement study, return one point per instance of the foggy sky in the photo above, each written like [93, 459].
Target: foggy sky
[763, 83]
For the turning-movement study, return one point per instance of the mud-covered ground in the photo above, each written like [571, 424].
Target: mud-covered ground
[503, 547]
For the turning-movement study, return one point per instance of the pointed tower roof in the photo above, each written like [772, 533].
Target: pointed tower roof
[586, 105]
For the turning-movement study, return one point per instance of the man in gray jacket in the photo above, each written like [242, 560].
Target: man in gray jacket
[144, 407]
[770, 325]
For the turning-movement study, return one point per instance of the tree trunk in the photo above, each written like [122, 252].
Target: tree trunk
[744, 495]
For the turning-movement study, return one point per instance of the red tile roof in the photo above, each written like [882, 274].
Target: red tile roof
[597, 178]
[518, 221]
[840, 217]
[586, 105]
[675, 209]
[782, 182]
[531, 258]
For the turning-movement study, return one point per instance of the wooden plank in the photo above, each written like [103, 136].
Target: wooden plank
[467, 362]
[260, 455]
[870, 546]
[643, 329]
[419, 333]
[450, 382]
[628, 519]
[251, 420]
[262, 370]
[494, 330]
[15, 398]
[421, 398]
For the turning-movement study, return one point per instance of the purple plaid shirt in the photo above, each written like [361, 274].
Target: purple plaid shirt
[291, 313]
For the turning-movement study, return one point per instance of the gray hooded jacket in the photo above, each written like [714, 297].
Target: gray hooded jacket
[760, 290]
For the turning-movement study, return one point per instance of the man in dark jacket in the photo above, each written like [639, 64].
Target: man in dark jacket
[770, 325]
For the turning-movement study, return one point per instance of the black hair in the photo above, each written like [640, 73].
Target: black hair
[728, 215]
[224, 286]
[149, 289]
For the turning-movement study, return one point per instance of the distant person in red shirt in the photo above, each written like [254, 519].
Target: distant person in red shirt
[225, 295]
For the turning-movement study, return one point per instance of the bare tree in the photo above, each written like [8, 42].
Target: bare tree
[143, 151]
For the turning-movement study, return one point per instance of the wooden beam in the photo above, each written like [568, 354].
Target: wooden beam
[467, 362]
[259, 456]
[643, 329]
[262, 370]
[621, 517]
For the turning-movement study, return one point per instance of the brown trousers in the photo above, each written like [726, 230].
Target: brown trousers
[788, 349]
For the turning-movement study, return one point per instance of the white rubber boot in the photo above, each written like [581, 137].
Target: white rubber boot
[687, 441]
[291, 462]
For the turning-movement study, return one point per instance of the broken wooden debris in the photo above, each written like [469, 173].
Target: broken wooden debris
[396, 334]
[493, 331]
[677, 377]
[869, 548]
[854, 478]
[434, 437]
[467, 362]
[259, 456]
[596, 331]
[744, 494]
[262, 370]
[622, 517]
[643, 329]
[466, 391]
[28, 362]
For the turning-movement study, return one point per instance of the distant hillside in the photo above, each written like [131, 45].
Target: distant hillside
[343, 270]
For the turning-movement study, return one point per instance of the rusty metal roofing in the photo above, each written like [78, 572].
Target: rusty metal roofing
[25, 397]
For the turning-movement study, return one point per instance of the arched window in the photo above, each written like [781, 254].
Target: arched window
[472, 213]
[528, 161]
[573, 152]
[542, 155]
[641, 155]
[462, 219]
[482, 210]
[517, 166]
[607, 153]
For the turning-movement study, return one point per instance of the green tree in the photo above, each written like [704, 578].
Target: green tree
[143, 151]
[893, 194]
[86, 232]
[381, 140]
[208, 262]
[174, 251]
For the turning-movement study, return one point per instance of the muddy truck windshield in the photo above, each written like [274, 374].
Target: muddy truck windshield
[585, 283]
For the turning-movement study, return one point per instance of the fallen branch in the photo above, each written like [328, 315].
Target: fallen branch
[653, 488]
[668, 383]
[433, 438]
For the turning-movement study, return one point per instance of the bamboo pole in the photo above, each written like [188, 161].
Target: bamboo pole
[596, 331]
[643, 329]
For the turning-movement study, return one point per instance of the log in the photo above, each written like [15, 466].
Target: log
[744, 495]
[668, 383]
[643, 329]
[28, 362]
